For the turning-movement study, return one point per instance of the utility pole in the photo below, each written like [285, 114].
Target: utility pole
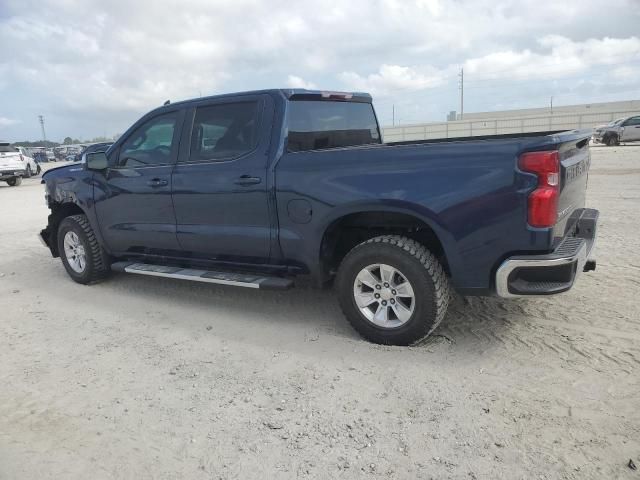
[551, 104]
[461, 93]
[393, 115]
[44, 135]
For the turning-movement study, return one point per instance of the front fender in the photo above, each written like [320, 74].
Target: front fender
[68, 191]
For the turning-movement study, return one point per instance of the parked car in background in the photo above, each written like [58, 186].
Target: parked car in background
[255, 189]
[96, 147]
[39, 156]
[12, 167]
[31, 167]
[621, 130]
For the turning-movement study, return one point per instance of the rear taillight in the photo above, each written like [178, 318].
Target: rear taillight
[543, 201]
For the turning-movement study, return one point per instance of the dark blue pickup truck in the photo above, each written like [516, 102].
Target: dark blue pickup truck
[257, 189]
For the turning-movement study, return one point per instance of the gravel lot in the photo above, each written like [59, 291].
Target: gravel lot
[151, 378]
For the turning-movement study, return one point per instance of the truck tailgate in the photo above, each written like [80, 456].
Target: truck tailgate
[575, 160]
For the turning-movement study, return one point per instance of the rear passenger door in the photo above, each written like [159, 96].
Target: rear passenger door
[220, 183]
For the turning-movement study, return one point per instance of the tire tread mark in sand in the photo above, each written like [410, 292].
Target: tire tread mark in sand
[537, 328]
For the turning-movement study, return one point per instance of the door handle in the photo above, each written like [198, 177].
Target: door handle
[247, 180]
[157, 182]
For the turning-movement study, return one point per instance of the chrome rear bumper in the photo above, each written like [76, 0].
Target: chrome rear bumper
[526, 275]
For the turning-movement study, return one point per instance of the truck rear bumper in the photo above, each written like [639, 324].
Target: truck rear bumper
[526, 275]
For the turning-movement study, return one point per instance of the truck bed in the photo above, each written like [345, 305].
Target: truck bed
[481, 137]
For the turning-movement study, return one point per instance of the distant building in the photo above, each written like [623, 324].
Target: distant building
[530, 120]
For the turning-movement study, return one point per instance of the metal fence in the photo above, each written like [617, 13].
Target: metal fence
[499, 126]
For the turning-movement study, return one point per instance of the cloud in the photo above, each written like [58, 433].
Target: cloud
[93, 67]
[390, 78]
[297, 82]
[7, 122]
[558, 57]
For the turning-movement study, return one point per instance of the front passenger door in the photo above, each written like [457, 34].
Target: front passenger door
[631, 131]
[133, 197]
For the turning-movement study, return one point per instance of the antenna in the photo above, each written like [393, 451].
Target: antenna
[41, 120]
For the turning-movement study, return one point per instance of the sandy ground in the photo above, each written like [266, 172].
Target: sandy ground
[150, 378]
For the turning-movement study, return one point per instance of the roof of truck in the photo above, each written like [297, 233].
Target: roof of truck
[290, 94]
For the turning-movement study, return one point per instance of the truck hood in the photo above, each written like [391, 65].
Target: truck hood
[59, 173]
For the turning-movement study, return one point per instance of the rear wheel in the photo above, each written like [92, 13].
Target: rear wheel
[392, 290]
[81, 254]
[14, 182]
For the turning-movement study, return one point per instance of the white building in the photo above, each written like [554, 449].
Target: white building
[516, 121]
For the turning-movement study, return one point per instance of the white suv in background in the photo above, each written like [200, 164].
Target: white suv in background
[12, 167]
[31, 167]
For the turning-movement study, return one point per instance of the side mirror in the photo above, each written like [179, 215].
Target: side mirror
[97, 161]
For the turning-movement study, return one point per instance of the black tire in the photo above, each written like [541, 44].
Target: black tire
[611, 141]
[97, 265]
[28, 172]
[38, 170]
[14, 182]
[420, 267]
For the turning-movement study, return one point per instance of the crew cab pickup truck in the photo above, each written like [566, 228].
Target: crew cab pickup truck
[12, 166]
[264, 188]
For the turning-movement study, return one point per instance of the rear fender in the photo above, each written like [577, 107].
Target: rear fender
[426, 216]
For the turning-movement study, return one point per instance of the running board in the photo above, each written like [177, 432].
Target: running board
[224, 278]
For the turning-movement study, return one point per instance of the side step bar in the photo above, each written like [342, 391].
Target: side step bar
[224, 278]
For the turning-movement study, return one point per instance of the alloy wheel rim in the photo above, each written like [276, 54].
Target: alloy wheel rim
[74, 252]
[384, 295]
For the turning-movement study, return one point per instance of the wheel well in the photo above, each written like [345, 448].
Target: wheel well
[351, 230]
[59, 211]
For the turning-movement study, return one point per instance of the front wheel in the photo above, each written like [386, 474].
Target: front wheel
[80, 252]
[14, 182]
[612, 141]
[28, 172]
[392, 290]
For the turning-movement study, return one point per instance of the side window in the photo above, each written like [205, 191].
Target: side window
[150, 144]
[318, 125]
[633, 121]
[224, 131]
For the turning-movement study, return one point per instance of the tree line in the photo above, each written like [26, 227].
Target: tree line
[66, 141]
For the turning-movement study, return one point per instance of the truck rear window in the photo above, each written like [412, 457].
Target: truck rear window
[4, 148]
[318, 125]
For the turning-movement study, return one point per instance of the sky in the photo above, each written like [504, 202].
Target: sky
[92, 67]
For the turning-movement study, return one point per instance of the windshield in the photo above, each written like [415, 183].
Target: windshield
[615, 122]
